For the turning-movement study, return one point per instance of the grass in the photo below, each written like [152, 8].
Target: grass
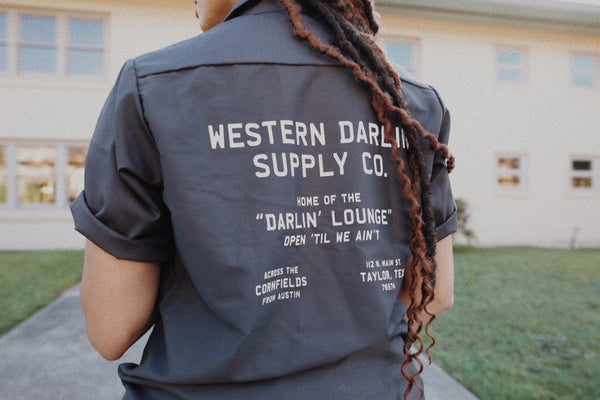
[29, 280]
[525, 324]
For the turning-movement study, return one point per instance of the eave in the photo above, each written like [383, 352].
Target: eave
[538, 14]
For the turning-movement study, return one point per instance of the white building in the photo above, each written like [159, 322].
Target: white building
[58, 61]
[522, 81]
[521, 78]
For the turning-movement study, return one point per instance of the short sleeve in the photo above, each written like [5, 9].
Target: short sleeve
[121, 208]
[442, 199]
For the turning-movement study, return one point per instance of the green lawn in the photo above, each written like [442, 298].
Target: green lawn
[29, 280]
[525, 324]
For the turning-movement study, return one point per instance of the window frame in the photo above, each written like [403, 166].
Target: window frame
[71, 47]
[70, 169]
[522, 67]
[60, 176]
[4, 175]
[22, 44]
[31, 171]
[521, 172]
[5, 43]
[594, 74]
[387, 39]
[593, 174]
[14, 44]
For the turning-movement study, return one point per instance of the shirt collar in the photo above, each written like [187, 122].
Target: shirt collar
[257, 6]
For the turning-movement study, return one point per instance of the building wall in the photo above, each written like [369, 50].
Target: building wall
[544, 119]
[58, 111]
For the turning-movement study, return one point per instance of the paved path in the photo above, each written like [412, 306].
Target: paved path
[48, 357]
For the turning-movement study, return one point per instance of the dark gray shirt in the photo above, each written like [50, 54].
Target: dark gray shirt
[254, 170]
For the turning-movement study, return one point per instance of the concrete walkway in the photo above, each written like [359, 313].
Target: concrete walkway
[48, 357]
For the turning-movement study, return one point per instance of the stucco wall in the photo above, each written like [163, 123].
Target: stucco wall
[544, 119]
[50, 109]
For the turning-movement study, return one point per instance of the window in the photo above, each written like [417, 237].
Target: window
[584, 70]
[36, 175]
[86, 41]
[3, 175]
[50, 175]
[3, 43]
[403, 53]
[52, 44]
[510, 172]
[584, 173]
[38, 45]
[75, 171]
[510, 65]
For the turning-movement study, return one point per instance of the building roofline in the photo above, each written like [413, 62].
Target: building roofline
[544, 14]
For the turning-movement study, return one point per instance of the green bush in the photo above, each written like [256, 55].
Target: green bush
[463, 216]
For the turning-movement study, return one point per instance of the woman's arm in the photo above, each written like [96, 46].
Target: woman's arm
[444, 282]
[118, 299]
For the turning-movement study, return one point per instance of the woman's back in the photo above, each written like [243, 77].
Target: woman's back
[263, 177]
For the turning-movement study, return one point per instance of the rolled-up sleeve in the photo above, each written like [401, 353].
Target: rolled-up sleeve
[121, 208]
[442, 199]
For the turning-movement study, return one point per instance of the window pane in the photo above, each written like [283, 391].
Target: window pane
[583, 63]
[582, 165]
[3, 58]
[40, 30]
[38, 42]
[582, 182]
[86, 41]
[402, 54]
[34, 59]
[582, 80]
[84, 32]
[3, 175]
[86, 62]
[3, 38]
[510, 66]
[75, 171]
[510, 57]
[35, 174]
[509, 163]
[509, 181]
[3, 34]
[509, 75]
[583, 71]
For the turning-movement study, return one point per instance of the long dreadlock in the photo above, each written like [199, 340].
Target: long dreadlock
[353, 25]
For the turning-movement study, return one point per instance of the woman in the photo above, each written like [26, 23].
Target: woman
[264, 197]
